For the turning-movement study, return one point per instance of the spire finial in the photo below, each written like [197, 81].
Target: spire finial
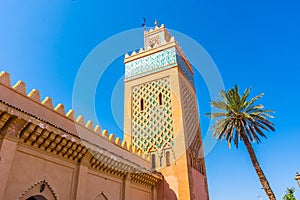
[144, 23]
[156, 23]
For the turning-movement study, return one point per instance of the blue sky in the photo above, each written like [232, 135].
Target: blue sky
[255, 44]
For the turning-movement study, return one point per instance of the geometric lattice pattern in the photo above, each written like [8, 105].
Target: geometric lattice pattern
[152, 119]
[190, 114]
[197, 161]
[192, 128]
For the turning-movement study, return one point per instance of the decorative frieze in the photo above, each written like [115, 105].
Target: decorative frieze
[159, 61]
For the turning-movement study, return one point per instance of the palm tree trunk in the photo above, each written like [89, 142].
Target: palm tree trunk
[257, 168]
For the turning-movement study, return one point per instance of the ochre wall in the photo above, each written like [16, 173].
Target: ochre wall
[96, 183]
[41, 153]
[31, 166]
[139, 193]
[176, 177]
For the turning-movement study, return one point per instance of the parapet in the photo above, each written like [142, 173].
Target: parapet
[56, 116]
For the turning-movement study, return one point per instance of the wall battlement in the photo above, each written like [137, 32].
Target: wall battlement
[45, 111]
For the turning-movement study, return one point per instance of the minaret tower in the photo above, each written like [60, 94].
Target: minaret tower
[161, 115]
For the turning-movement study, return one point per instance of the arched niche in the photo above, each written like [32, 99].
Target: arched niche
[101, 196]
[36, 197]
[39, 191]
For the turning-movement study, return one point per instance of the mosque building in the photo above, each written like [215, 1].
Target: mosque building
[43, 156]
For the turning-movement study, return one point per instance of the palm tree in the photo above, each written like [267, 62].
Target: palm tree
[289, 195]
[241, 120]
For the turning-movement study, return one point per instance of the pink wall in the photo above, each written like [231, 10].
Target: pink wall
[198, 182]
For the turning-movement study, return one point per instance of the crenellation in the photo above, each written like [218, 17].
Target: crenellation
[97, 129]
[60, 108]
[71, 115]
[124, 145]
[129, 147]
[133, 53]
[156, 124]
[105, 133]
[118, 141]
[90, 125]
[154, 75]
[35, 95]
[48, 102]
[111, 137]
[53, 131]
[80, 120]
[166, 42]
[20, 87]
[5, 78]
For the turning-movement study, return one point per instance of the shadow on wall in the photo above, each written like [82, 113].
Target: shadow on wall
[165, 192]
[36, 197]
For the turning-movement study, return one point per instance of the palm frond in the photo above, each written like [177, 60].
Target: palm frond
[219, 104]
[245, 96]
[237, 117]
[248, 104]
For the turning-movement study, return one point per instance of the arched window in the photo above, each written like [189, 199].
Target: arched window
[142, 104]
[160, 99]
[168, 158]
[153, 161]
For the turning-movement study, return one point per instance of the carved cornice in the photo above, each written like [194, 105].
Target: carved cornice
[43, 112]
[38, 125]
[43, 136]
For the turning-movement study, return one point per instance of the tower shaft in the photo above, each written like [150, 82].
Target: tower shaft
[161, 115]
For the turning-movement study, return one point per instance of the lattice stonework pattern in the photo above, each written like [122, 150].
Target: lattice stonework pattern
[152, 119]
[190, 113]
[197, 161]
[192, 128]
